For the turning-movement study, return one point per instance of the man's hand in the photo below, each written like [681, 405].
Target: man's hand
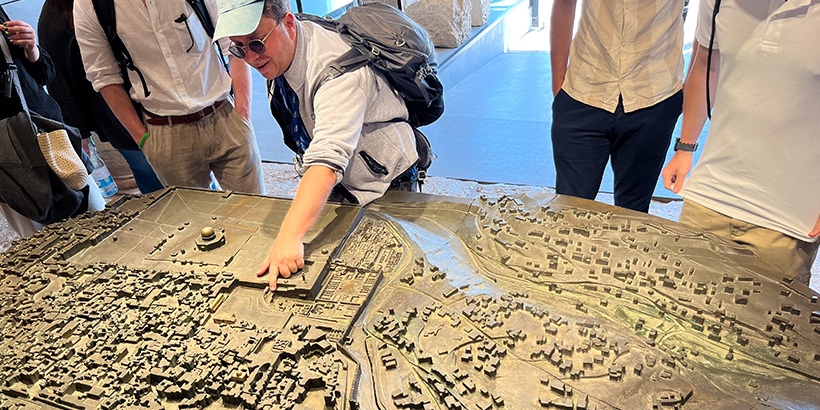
[287, 254]
[286, 257]
[816, 231]
[22, 34]
[120, 103]
[674, 173]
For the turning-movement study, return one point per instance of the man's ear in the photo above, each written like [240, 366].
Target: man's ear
[289, 23]
[289, 20]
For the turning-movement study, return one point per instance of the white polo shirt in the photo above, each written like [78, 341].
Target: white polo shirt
[167, 43]
[760, 161]
[629, 48]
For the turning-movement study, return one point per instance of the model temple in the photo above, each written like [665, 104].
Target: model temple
[415, 302]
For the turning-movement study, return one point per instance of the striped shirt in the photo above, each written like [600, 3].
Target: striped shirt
[627, 48]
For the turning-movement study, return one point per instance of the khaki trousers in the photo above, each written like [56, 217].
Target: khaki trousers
[223, 142]
[790, 257]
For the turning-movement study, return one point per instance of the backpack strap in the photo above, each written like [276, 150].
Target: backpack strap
[350, 61]
[709, 58]
[108, 20]
[201, 12]
[10, 76]
[203, 15]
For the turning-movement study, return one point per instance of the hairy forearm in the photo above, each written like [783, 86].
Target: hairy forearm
[120, 103]
[561, 25]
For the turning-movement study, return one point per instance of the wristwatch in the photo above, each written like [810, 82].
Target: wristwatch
[685, 146]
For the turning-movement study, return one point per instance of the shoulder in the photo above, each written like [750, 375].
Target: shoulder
[83, 6]
[322, 42]
[84, 12]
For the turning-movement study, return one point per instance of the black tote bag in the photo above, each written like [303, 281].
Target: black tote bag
[27, 183]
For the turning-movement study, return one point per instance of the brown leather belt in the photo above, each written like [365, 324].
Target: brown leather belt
[154, 119]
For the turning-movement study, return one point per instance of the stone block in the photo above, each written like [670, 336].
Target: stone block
[447, 22]
[480, 12]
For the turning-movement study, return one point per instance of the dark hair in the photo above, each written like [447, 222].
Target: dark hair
[65, 8]
[276, 9]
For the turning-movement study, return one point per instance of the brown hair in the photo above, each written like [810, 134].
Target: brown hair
[65, 8]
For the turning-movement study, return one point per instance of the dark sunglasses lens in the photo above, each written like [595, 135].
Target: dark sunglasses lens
[237, 51]
[257, 46]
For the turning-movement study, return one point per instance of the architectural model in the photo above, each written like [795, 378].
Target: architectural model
[414, 302]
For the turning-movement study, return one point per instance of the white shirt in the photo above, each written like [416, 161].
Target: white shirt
[181, 68]
[629, 48]
[760, 161]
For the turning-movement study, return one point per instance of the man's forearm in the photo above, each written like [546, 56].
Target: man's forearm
[561, 25]
[120, 103]
[242, 86]
[694, 93]
[308, 203]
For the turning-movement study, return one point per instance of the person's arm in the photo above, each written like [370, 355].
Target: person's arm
[22, 34]
[694, 114]
[562, 22]
[242, 86]
[286, 256]
[36, 61]
[816, 231]
[120, 103]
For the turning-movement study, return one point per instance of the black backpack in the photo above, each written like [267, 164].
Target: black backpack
[388, 40]
[107, 17]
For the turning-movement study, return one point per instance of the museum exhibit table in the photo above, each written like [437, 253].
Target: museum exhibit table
[414, 302]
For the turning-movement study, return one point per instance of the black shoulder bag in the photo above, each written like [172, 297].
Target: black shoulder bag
[27, 184]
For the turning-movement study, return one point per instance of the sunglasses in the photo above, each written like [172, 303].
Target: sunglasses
[255, 45]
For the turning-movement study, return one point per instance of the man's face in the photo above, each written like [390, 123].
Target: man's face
[279, 46]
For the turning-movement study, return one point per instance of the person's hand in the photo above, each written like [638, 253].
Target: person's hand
[85, 146]
[140, 139]
[286, 256]
[674, 173]
[22, 34]
[557, 83]
[816, 231]
[244, 112]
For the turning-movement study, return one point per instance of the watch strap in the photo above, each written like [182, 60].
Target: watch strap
[685, 146]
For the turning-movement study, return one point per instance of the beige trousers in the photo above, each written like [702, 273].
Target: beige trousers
[791, 257]
[223, 142]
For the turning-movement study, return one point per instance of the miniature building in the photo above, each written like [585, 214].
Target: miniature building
[415, 302]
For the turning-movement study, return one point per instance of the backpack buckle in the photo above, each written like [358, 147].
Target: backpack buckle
[299, 165]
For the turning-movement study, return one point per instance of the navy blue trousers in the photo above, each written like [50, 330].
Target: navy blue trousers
[584, 138]
[144, 175]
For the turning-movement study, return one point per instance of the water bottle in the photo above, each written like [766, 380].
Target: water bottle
[100, 173]
[214, 185]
